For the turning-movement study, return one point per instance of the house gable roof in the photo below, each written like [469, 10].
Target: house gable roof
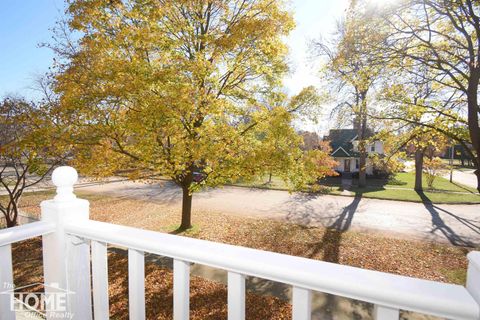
[341, 141]
[340, 152]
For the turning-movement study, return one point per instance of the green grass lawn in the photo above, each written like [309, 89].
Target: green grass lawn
[411, 195]
[398, 188]
[407, 180]
[276, 183]
[401, 187]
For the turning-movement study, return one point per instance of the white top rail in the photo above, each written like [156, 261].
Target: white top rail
[24, 232]
[433, 298]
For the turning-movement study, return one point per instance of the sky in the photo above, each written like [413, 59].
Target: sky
[25, 24]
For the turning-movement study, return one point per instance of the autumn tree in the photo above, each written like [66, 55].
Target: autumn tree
[352, 69]
[29, 150]
[311, 140]
[184, 89]
[390, 161]
[444, 37]
[413, 107]
[427, 144]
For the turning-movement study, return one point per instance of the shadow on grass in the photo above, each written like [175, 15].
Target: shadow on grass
[462, 187]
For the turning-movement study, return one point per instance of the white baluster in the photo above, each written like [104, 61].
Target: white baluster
[100, 280]
[301, 304]
[385, 313]
[136, 284]
[181, 290]
[236, 296]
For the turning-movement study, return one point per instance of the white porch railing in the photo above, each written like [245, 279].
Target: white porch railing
[75, 257]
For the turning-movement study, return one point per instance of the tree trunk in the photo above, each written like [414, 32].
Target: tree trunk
[11, 223]
[362, 132]
[11, 219]
[473, 125]
[186, 209]
[270, 178]
[418, 169]
[477, 173]
[362, 170]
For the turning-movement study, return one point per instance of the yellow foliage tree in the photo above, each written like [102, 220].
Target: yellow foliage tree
[184, 89]
[353, 67]
[30, 147]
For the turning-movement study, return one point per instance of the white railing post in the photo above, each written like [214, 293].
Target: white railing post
[66, 259]
[473, 275]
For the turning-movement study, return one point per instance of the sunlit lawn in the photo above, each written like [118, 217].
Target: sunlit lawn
[399, 187]
[407, 180]
[412, 195]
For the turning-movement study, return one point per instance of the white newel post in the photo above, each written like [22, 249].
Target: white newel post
[473, 275]
[66, 258]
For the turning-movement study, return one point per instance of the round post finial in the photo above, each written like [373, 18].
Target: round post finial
[64, 178]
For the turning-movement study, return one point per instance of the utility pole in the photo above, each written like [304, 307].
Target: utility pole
[452, 150]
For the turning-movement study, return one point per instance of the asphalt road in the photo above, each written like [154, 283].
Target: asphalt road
[456, 224]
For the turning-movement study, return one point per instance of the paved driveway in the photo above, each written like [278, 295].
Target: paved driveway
[467, 178]
[457, 224]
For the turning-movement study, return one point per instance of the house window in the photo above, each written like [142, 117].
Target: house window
[373, 148]
[356, 164]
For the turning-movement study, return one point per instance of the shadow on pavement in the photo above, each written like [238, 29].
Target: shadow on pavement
[438, 224]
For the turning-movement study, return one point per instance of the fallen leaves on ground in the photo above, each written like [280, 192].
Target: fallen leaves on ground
[426, 260]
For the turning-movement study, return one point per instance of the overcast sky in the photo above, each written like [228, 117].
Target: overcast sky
[25, 24]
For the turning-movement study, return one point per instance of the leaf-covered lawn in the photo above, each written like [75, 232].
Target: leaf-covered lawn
[439, 262]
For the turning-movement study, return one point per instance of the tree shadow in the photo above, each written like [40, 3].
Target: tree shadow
[330, 244]
[331, 240]
[178, 231]
[439, 224]
[463, 187]
[300, 210]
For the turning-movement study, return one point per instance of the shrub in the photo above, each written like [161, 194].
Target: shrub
[432, 168]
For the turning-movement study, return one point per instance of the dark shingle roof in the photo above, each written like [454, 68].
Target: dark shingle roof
[341, 138]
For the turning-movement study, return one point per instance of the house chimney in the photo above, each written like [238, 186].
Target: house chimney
[356, 122]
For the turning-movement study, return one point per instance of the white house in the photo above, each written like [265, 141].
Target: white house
[344, 143]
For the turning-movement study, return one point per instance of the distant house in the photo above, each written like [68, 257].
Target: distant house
[344, 143]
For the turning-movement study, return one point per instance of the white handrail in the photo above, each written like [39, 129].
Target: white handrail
[389, 290]
[24, 232]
